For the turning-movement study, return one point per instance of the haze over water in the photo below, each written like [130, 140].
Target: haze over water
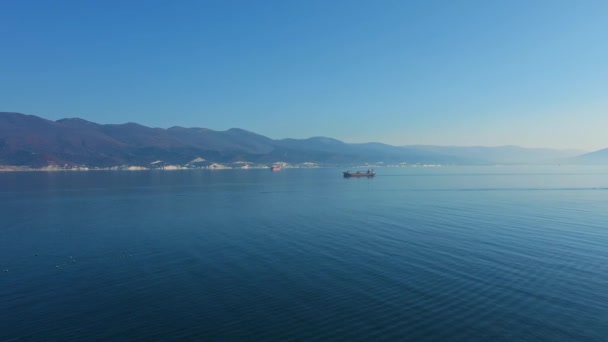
[459, 253]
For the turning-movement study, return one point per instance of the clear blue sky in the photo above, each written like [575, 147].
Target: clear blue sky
[522, 72]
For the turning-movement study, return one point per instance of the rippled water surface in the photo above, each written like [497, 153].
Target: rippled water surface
[455, 253]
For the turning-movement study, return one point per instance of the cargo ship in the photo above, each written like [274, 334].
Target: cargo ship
[275, 168]
[369, 173]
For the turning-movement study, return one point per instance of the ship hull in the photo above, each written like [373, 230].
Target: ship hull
[358, 174]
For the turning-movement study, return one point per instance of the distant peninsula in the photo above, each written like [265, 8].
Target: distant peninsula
[29, 142]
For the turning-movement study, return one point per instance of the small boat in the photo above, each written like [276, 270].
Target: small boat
[369, 173]
[275, 168]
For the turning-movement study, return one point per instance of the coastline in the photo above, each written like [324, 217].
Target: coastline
[54, 168]
[215, 166]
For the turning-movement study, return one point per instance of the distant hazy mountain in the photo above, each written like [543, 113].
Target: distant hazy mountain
[597, 157]
[501, 154]
[27, 140]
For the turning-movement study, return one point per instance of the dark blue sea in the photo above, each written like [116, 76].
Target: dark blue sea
[451, 253]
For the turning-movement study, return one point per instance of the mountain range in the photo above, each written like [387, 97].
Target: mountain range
[28, 140]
